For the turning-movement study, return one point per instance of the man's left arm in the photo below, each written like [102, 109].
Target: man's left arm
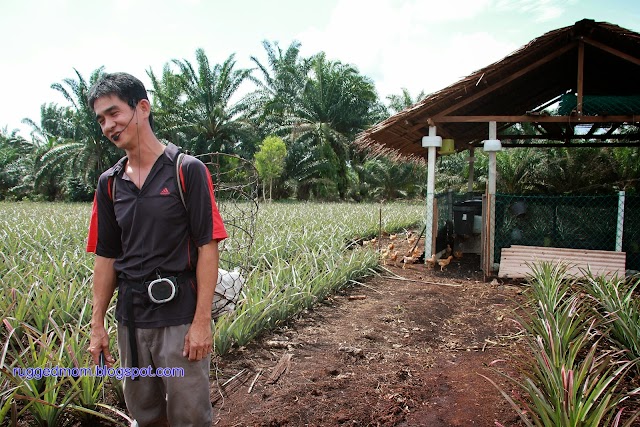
[198, 341]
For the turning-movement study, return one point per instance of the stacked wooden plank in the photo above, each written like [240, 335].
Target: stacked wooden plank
[516, 261]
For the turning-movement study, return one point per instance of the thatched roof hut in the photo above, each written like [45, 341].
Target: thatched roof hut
[594, 65]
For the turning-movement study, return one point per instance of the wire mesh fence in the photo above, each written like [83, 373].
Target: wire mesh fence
[600, 222]
[456, 225]
[631, 232]
[446, 202]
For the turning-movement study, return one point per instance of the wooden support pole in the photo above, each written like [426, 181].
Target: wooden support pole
[580, 83]
[431, 144]
[491, 198]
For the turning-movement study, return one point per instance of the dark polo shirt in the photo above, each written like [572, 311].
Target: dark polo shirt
[148, 231]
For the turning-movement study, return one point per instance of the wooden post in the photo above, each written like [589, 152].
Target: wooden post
[471, 161]
[430, 142]
[580, 77]
[491, 147]
[434, 231]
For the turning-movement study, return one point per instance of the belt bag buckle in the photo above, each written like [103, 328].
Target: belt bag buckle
[162, 290]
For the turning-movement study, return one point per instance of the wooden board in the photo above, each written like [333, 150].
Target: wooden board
[516, 261]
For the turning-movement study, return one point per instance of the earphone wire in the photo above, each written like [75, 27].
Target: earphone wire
[135, 112]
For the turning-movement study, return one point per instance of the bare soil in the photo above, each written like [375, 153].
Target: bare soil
[406, 348]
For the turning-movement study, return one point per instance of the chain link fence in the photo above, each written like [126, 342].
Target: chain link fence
[600, 222]
[446, 202]
[456, 225]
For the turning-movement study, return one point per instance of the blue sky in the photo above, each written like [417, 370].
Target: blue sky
[417, 44]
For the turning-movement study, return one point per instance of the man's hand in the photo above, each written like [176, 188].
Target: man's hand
[99, 343]
[198, 341]
[104, 284]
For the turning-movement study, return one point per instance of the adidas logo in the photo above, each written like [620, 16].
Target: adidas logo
[165, 192]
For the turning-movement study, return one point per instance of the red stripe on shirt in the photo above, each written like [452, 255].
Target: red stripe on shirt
[92, 240]
[109, 185]
[182, 184]
[219, 232]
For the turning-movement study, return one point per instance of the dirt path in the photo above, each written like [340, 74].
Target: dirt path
[387, 353]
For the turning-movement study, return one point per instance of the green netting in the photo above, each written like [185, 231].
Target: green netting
[631, 235]
[600, 105]
[578, 222]
[446, 201]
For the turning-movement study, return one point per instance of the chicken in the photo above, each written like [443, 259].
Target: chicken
[391, 246]
[444, 262]
[411, 240]
[387, 255]
[408, 260]
[431, 262]
[393, 256]
[393, 236]
[457, 254]
[371, 242]
[416, 253]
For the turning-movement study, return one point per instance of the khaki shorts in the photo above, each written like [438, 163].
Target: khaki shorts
[166, 397]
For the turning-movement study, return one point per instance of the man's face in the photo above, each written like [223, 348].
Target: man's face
[114, 116]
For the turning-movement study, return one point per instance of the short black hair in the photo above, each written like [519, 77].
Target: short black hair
[125, 86]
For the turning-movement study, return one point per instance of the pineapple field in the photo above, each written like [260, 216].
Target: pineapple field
[328, 333]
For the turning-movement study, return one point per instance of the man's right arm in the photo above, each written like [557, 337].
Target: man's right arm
[104, 285]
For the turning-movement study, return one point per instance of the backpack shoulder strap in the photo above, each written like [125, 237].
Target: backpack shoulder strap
[179, 160]
[112, 179]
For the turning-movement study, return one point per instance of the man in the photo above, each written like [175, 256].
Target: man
[162, 258]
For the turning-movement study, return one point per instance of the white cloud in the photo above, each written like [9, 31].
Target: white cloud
[449, 11]
[419, 45]
[538, 10]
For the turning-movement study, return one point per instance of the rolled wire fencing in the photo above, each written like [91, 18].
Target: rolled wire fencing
[236, 192]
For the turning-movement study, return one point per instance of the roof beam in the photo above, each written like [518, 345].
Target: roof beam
[539, 119]
[612, 51]
[593, 129]
[613, 128]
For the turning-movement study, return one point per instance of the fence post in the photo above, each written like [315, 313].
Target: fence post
[491, 147]
[620, 224]
[430, 142]
[470, 181]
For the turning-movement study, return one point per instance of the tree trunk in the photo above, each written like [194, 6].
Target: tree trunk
[270, 188]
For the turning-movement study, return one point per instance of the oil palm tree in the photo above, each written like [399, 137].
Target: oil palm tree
[211, 122]
[15, 161]
[336, 103]
[167, 105]
[280, 84]
[400, 102]
[625, 163]
[390, 180]
[81, 150]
